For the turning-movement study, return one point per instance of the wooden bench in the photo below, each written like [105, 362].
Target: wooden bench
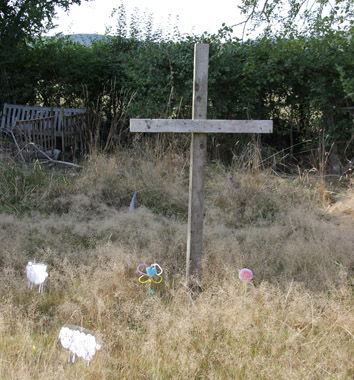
[44, 126]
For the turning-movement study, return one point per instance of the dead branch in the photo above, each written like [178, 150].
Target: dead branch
[17, 146]
[55, 161]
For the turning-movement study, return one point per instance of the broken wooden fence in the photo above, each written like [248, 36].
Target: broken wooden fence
[46, 127]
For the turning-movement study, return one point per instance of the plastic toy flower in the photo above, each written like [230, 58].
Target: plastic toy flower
[152, 273]
[245, 274]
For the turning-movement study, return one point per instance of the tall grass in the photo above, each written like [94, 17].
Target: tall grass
[297, 321]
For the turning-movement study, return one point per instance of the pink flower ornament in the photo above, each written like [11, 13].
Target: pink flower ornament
[245, 275]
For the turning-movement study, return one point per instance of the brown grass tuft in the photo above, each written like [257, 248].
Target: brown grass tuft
[295, 322]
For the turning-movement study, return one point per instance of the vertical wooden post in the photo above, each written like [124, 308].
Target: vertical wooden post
[197, 164]
[62, 125]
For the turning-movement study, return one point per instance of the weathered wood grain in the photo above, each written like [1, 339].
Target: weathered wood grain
[201, 126]
[196, 177]
[14, 112]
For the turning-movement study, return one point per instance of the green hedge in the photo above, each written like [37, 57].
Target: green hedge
[302, 84]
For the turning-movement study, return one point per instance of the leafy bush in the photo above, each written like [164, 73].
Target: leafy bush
[301, 84]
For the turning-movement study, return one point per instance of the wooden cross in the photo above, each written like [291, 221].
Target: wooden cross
[198, 126]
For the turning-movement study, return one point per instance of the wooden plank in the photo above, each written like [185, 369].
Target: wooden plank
[9, 121]
[200, 81]
[196, 174]
[40, 133]
[3, 118]
[29, 131]
[43, 133]
[46, 135]
[21, 114]
[63, 128]
[32, 114]
[53, 126]
[201, 126]
[34, 120]
[14, 116]
[38, 108]
[60, 121]
[36, 132]
[47, 125]
[196, 210]
[66, 126]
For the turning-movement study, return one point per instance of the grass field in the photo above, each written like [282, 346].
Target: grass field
[296, 322]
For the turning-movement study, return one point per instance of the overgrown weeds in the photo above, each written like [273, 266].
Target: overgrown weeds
[296, 321]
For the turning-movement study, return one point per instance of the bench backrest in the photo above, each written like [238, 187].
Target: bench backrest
[14, 112]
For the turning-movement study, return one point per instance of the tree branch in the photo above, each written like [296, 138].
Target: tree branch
[55, 161]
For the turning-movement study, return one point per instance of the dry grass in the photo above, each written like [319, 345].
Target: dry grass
[297, 321]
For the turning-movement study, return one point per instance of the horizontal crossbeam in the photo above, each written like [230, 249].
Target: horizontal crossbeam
[201, 126]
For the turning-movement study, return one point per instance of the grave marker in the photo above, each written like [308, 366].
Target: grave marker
[198, 126]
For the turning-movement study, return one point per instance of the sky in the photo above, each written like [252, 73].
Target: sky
[195, 16]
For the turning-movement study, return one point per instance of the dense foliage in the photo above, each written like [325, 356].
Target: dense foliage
[22, 19]
[297, 17]
[304, 84]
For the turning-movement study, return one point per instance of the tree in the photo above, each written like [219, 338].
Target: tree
[295, 17]
[21, 20]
